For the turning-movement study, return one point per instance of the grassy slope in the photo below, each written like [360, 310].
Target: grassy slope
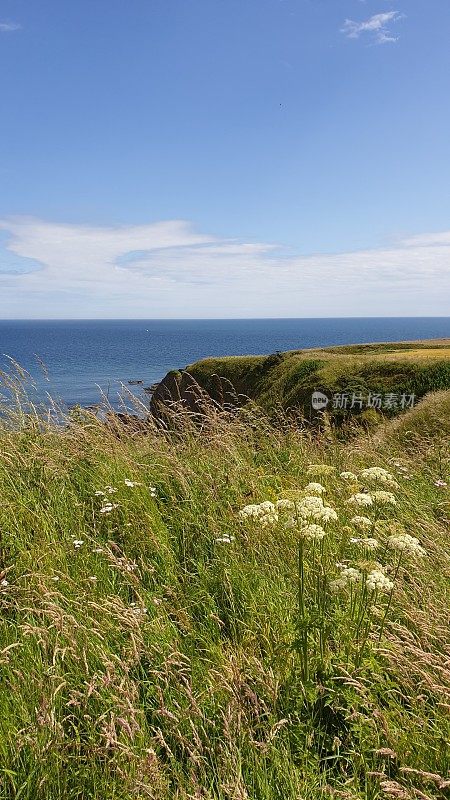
[288, 379]
[155, 662]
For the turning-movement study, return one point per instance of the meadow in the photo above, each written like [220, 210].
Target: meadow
[225, 610]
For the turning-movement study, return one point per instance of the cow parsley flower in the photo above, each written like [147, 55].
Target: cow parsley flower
[440, 483]
[309, 505]
[315, 488]
[108, 507]
[347, 576]
[348, 476]
[77, 543]
[225, 539]
[364, 523]
[379, 475]
[326, 514]
[404, 543]
[269, 519]
[313, 532]
[265, 513]
[360, 499]
[285, 505]
[377, 581]
[384, 498]
[131, 484]
[370, 543]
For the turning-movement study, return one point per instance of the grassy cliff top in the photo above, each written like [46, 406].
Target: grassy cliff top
[287, 379]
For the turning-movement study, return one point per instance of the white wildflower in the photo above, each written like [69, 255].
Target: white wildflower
[266, 507]
[108, 507]
[407, 544]
[370, 543]
[225, 539]
[348, 575]
[384, 498]
[131, 484]
[4, 582]
[326, 514]
[440, 483]
[264, 512]
[111, 489]
[313, 532]
[285, 505]
[361, 522]
[379, 475]
[268, 519]
[77, 543]
[315, 488]
[348, 476]
[99, 493]
[138, 610]
[250, 511]
[378, 582]
[152, 490]
[360, 499]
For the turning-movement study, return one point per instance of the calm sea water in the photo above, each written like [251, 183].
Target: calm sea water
[84, 358]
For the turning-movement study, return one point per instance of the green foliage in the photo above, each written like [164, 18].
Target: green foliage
[152, 642]
[287, 380]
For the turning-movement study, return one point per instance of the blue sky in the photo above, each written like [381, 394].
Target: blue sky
[224, 158]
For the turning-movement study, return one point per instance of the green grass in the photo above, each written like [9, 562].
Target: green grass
[153, 661]
[287, 380]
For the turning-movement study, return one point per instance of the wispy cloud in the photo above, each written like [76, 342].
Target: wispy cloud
[168, 269]
[376, 26]
[7, 27]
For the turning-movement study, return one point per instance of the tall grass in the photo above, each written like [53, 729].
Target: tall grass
[154, 644]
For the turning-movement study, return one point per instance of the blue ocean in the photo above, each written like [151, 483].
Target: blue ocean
[86, 358]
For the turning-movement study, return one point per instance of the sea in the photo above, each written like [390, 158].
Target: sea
[84, 361]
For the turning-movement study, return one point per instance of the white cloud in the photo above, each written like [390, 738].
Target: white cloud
[375, 25]
[167, 269]
[7, 27]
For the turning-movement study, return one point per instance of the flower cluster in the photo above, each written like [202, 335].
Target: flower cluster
[384, 498]
[404, 543]
[369, 542]
[377, 581]
[347, 575]
[108, 507]
[360, 499]
[312, 532]
[265, 513]
[77, 543]
[379, 475]
[364, 523]
[348, 476]
[225, 539]
[315, 488]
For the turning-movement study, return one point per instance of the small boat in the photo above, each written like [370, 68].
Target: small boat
[135, 383]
